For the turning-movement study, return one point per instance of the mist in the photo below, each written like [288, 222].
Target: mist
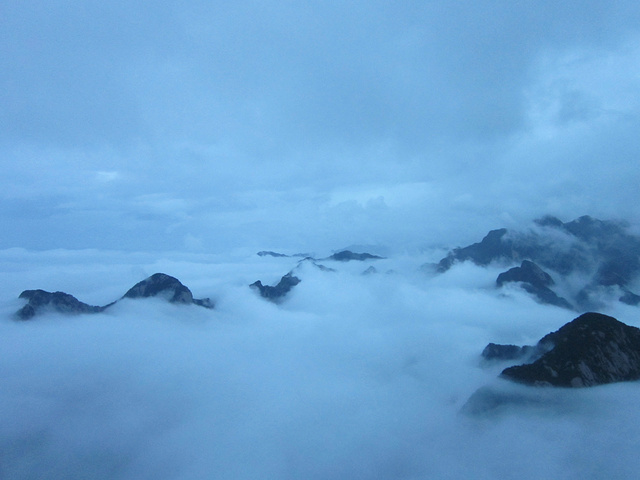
[351, 376]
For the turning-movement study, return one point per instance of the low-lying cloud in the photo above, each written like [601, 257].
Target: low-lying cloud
[351, 377]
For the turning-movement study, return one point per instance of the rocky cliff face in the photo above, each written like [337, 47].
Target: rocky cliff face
[593, 349]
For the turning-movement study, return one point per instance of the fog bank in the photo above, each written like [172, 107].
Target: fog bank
[351, 377]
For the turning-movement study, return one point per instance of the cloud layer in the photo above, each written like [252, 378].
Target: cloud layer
[353, 376]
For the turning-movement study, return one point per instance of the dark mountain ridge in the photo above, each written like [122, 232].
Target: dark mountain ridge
[277, 292]
[593, 349]
[158, 284]
[605, 253]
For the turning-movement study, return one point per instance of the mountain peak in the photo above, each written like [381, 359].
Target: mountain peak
[593, 349]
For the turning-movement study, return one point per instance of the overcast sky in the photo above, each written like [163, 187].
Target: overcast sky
[210, 126]
[176, 136]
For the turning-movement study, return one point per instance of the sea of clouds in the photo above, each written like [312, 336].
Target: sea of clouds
[352, 377]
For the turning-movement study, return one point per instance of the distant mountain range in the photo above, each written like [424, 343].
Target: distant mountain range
[604, 253]
[277, 292]
[601, 256]
[591, 350]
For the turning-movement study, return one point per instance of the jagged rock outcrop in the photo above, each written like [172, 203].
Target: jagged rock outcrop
[535, 281]
[277, 292]
[347, 255]
[40, 301]
[593, 349]
[158, 284]
[527, 272]
[161, 284]
[604, 252]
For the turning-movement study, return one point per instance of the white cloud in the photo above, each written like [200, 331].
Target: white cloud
[352, 376]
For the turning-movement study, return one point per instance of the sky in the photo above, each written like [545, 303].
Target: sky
[208, 127]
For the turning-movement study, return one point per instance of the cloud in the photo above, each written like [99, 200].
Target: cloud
[261, 117]
[352, 376]
[185, 137]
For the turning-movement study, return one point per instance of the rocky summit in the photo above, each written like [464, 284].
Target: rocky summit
[527, 272]
[593, 349]
[277, 292]
[40, 301]
[535, 281]
[158, 284]
[161, 284]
